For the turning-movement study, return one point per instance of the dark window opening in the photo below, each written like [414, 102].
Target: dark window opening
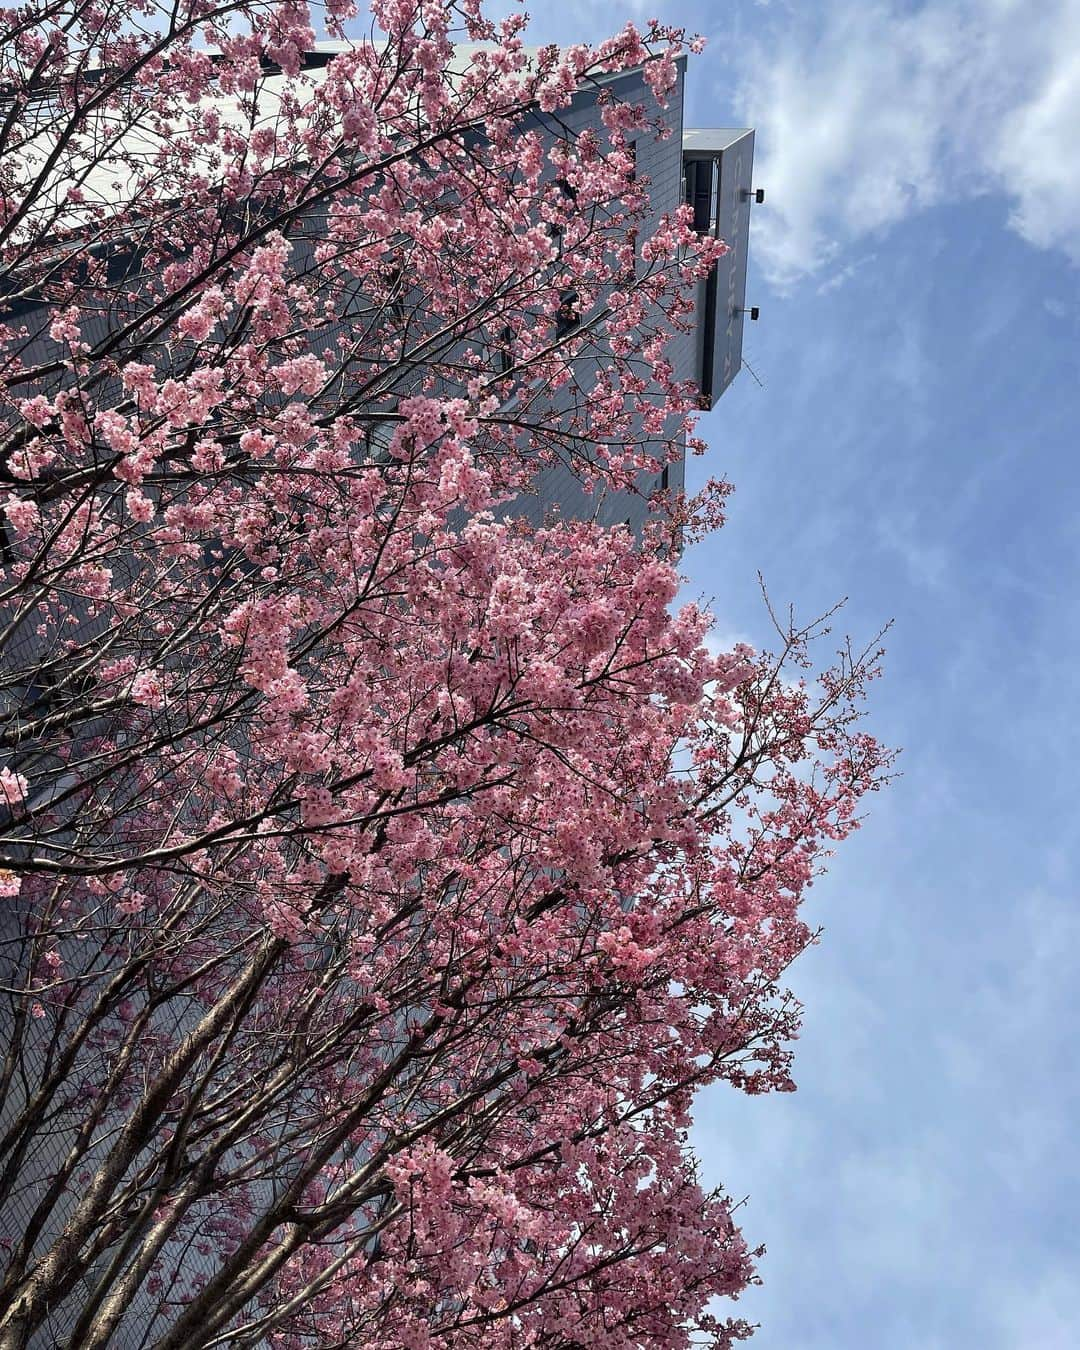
[554, 228]
[699, 192]
[506, 356]
[568, 315]
[394, 277]
[632, 248]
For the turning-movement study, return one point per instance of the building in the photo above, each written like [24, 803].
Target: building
[711, 169]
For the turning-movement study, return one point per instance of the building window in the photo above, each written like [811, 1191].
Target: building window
[504, 353]
[394, 280]
[568, 315]
[554, 229]
[631, 253]
[701, 185]
[379, 436]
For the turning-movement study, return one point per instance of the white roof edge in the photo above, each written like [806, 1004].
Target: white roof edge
[706, 139]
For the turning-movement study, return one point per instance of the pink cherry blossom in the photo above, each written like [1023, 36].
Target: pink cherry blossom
[13, 786]
[146, 689]
[388, 861]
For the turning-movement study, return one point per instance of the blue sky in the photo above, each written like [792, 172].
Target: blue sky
[915, 449]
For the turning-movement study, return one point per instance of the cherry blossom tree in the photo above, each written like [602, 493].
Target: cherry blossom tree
[383, 868]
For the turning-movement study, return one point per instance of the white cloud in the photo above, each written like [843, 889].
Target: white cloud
[1043, 1315]
[868, 112]
[840, 278]
[1036, 155]
[926, 1169]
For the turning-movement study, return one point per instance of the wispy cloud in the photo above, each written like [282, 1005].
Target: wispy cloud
[868, 112]
[841, 277]
[928, 1158]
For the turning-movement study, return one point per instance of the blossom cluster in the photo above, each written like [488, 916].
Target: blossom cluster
[387, 867]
